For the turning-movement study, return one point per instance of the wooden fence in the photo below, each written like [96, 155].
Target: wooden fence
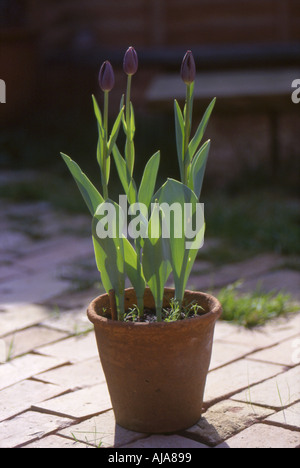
[165, 23]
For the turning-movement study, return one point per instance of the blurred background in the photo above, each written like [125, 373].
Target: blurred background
[247, 53]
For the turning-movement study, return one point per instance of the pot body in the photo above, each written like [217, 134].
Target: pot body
[156, 372]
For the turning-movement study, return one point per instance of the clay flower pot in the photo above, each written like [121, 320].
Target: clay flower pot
[156, 372]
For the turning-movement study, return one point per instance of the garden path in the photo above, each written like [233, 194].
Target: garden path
[52, 389]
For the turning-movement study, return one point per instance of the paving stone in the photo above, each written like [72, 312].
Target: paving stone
[9, 271]
[21, 396]
[71, 321]
[227, 274]
[270, 334]
[284, 327]
[263, 436]
[79, 404]
[26, 209]
[162, 441]
[276, 392]
[102, 431]
[21, 316]
[78, 375]
[27, 427]
[12, 240]
[54, 441]
[227, 380]
[25, 341]
[64, 250]
[75, 299]
[200, 266]
[38, 247]
[224, 329]
[33, 288]
[7, 257]
[224, 353]
[287, 281]
[74, 349]
[3, 351]
[25, 367]
[284, 353]
[289, 417]
[225, 419]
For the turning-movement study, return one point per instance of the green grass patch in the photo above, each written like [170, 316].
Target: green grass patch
[254, 222]
[254, 308]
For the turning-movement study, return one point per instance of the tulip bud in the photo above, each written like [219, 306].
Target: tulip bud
[130, 62]
[188, 68]
[106, 77]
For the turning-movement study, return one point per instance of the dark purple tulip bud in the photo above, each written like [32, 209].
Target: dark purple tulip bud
[130, 62]
[188, 68]
[106, 77]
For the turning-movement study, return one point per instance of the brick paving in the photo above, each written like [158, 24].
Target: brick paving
[53, 391]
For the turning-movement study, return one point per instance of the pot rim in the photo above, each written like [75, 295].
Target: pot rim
[214, 312]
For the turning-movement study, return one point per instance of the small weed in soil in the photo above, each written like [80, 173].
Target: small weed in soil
[172, 313]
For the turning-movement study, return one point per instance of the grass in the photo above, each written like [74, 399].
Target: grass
[95, 441]
[253, 222]
[254, 308]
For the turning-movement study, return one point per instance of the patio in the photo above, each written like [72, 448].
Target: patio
[52, 388]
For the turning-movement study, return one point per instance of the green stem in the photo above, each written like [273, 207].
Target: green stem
[128, 100]
[187, 132]
[128, 124]
[104, 169]
[140, 304]
[159, 313]
[140, 300]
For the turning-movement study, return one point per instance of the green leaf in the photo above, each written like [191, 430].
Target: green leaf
[115, 132]
[155, 259]
[101, 133]
[179, 129]
[121, 168]
[192, 148]
[90, 194]
[133, 269]
[109, 250]
[132, 192]
[130, 155]
[149, 180]
[98, 115]
[198, 169]
[123, 115]
[132, 122]
[173, 195]
[125, 178]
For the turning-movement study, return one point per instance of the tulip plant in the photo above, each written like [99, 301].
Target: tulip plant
[149, 258]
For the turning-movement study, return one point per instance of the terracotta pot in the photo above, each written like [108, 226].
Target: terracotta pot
[156, 372]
